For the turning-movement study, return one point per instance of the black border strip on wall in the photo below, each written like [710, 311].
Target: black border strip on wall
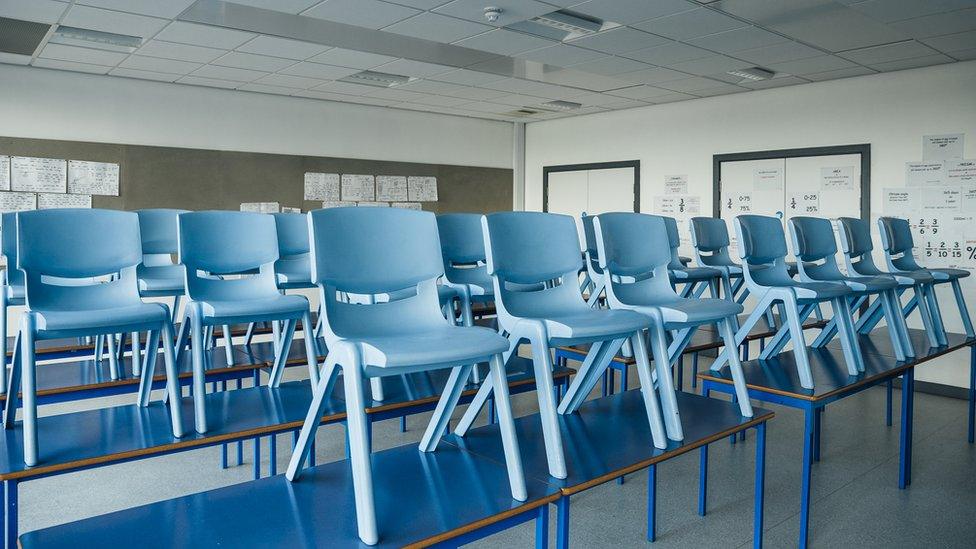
[863, 149]
[546, 170]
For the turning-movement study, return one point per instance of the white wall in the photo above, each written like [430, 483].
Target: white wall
[890, 111]
[48, 104]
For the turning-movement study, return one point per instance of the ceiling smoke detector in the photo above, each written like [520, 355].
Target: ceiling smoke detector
[753, 74]
[492, 13]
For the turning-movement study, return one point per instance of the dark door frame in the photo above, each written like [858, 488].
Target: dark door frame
[546, 170]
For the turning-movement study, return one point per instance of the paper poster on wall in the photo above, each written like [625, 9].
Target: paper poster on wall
[358, 188]
[4, 173]
[803, 203]
[39, 175]
[289, 209]
[837, 179]
[960, 171]
[47, 201]
[321, 186]
[373, 204]
[391, 188]
[17, 202]
[924, 174]
[100, 178]
[422, 189]
[768, 179]
[940, 199]
[261, 207]
[942, 147]
[666, 205]
[899, 202]
[676, 184]
[408, 205]
[738, 203]
[337, 204]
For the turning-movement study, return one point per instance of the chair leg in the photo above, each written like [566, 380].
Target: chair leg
[249, 335]
[967, 322]
[596, 362]
[936, 311]
[149, 368]
[113, 357]
[172, 381]
[651, 405]
[484, 392]
[362, 474]
[3, 335]
[849, 344]
[735, 368]
[665, 385]
[228, 345]
[890, 314]
[29, 390]
[799, 344]
[761, 309]
[198, 344]
[901, 325]
[445, 407]
[99, 347]
[506, 424]
[10, 405]
[136, 354]
[276, 336]
[542, 364]
[320, 397]
[281, 357]
[923, 311]
[311, 349]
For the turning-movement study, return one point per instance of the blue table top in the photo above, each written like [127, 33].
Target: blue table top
[419, 498]
[879, 343]
[610, 437]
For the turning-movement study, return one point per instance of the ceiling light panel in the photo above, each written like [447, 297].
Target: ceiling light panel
[376, 79]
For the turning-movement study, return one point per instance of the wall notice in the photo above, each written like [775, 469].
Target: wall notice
[422, 189]
[837, 179]
[924, 174]
[942, 147]
[358, 188]
[960, 171]
[101, 178]
[17, 202]
[768, 179]
[261, 207]
[4, 173]
[804, 203]
[38, 175]
[391, 188]
[676, 184]
[46, 201]
[321, 186]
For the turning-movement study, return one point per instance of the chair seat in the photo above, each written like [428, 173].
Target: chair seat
[695, 273]
[441, 345]
[594, 323]
[166, 278]
[293, 278]
[16, 292]
[293, 273]
[948, 274]
[279, 307]
[698, 311]
[92, 321]
[871, 283]
[819, 291]
[910, 278]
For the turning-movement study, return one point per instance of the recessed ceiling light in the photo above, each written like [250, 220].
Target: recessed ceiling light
[376, 79]
[753, 73]
[560, 105]
[575, 24]
[74, 36]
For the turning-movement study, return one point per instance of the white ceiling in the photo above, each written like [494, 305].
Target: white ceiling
[663, 51]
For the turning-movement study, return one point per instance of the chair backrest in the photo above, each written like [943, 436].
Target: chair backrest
[292, 229]
[158, 228]
[674, 242]
[897, 241]
[372, 251]
[710, 238]
[590, 248]
[216, 243]
[855, 242]
[813, 242]
[463, 249]
[762, 244]
[635, 256]
[62, 251]
[8, 247]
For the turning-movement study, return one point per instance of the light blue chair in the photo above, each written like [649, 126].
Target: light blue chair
[762, 249]
[695, 279]
[634, 255]
[897, 241]
[710, 238]
[216, 247]
[855, 239]
[371, 251]
[529, 249]
[591, 262]
[815, 248]
[80, 245]
[12, 290]
[463, 253]
[293, 270]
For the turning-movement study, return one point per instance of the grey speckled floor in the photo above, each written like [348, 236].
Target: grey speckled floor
[856, 502]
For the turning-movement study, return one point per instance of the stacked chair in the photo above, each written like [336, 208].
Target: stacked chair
[12, 291]
[694, 279]
[710, 238]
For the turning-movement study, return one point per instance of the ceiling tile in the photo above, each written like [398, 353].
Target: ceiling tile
[371, 14]
[252, 61]
[70, 66]
[228, 73]
[710, 65]
[144, 75]
[619, 40]
[264, 88]
[468, 77]
[512, 10]
[561, 55]
[640, 92]
[395, 94]
[289, 81]
[82, 55]
[113, 21]
[14, 59]
[667, 54]
[440, 100]
[431, 86]
[327, 96]
[470, 93]
[690, 24]
[419, 69]
[937, 25]
[888, 52]
[690, 84]
[345, 87]
[351, 58]
[625, 104]
[839, 73]
[964, 55]
[778, 53]
[611, 66]
[422, 4]
[209, 82]
[738, 39]
[484, 106]
[318, 71]
[39, 11]
[774, 83]
[912, 63]
[203, 35]
[437, 28]
[287, 6]
[182, 52]
[953, 42]
[723, 89]
[282, 47]
[811, 65]
[168, 9]
[516, 100]
[626, 12]
[671, 98]
[504, 42]
[653, 76]
[896, 10]
[155, 64]
[586, 80]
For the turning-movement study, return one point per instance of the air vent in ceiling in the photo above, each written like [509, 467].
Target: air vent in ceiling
[21, 37]
[74, 36]
[569, 21]
[560, 105]
[376, 79]
[753, 74]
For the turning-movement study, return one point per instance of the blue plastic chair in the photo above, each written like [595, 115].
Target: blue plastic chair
[12, 289]
[214, 245]
[293, 270]
[529, 249]
[383, 251]
[855, 239]
[78, 245]
[463, 253]
[695, 279]
[762, 249]
[815, 247]
[710, 238]
[591, 262]
[897, 241]
[634, 255]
